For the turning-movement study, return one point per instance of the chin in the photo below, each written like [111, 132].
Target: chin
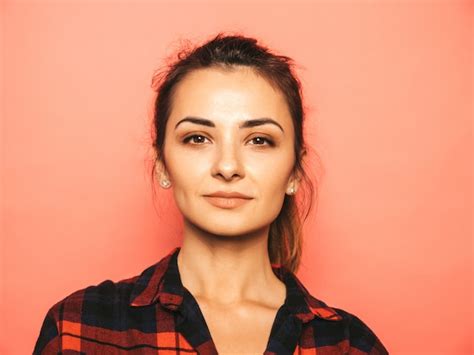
[225, 228]
[233, 230]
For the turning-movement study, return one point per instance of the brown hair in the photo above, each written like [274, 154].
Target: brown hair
[227, 52]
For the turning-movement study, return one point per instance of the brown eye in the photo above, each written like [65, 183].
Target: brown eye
[262, 140]
[198, 141]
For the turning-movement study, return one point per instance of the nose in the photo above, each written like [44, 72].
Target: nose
[228, 164]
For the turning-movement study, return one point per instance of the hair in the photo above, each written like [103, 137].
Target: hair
[229, 52]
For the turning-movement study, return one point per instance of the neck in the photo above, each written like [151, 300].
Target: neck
[229, 270]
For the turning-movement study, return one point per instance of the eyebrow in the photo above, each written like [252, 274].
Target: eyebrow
[244, 124]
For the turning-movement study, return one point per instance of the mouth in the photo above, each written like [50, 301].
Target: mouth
[226, 202]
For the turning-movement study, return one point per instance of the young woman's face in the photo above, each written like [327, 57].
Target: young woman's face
[220, 152]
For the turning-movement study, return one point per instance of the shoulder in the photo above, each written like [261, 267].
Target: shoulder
[360, 336]
[100, 305]
[347, 331]
[334, 329]
[95, 299]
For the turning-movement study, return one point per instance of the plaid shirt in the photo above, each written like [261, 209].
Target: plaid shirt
[154, 314]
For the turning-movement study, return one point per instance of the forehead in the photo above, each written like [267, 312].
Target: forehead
[222, 94]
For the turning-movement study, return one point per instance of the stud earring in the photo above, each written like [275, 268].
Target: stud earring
[292, 191]
[165, 183]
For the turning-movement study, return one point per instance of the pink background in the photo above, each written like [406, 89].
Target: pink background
[389, 90]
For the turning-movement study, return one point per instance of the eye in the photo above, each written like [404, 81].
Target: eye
[263, 139]
[187, 139]
[195, 141]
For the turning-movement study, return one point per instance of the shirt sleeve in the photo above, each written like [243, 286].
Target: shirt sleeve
[48, 339]
[362, 339]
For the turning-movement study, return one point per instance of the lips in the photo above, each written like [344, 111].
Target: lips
[231, 194]
[226, 202]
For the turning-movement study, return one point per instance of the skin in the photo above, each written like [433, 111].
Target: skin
[224, 261]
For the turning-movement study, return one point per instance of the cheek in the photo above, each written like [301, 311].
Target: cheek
[187, 170]
[271, 173]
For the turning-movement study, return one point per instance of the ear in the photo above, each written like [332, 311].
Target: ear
[160, 171]
[293, 184]
[295, 178]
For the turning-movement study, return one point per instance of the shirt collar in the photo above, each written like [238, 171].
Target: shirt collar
[161, 282]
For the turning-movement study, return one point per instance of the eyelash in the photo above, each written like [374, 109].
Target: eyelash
[269, 141]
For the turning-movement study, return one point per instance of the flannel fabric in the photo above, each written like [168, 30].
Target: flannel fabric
[153, 313]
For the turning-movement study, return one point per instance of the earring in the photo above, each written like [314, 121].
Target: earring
[292, 190]
[165, 183]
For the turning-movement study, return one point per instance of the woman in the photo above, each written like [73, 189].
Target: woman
[228, 127]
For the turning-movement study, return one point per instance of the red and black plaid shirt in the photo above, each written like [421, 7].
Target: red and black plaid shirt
[154, 314]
